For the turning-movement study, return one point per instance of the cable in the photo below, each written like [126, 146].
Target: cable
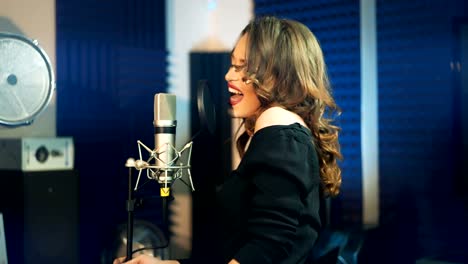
[151, 248]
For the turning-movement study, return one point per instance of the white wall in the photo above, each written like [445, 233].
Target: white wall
[202, 25]
[35, 20]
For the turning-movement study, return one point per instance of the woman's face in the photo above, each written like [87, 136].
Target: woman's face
[244, 100]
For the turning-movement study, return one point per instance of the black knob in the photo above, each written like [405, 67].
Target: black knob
[42, 154]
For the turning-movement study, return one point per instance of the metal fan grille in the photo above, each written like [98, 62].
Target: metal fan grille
[26, 80]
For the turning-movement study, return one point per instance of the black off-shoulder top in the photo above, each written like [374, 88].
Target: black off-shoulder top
[270, 203]
[267, 210]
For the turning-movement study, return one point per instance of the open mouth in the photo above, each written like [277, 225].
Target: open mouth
[236, 96]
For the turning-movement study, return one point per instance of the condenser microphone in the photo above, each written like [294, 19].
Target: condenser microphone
[165, 124]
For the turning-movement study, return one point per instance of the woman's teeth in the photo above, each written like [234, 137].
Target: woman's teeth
[234, 91]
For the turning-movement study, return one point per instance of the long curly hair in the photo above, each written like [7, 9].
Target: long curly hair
[286, 66]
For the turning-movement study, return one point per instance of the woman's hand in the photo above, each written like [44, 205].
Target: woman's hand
[145, 259]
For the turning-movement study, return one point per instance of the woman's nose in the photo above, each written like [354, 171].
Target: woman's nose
[227, 75]
[230, 75]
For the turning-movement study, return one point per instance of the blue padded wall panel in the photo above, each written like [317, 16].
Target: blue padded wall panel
[336, 26]
[416, 95]
[111, 60]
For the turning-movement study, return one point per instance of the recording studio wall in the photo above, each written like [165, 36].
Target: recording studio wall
[111, 60]
[419, 124]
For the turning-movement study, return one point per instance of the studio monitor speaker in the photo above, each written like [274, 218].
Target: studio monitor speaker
[40, 214]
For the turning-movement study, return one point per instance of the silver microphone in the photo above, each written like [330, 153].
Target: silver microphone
[165, 124]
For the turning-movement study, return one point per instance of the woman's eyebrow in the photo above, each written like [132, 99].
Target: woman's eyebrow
[242, 61]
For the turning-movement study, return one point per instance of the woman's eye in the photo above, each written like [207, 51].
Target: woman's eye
[237, 68]
[246, 80]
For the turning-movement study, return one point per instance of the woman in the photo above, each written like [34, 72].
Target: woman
[269, 205]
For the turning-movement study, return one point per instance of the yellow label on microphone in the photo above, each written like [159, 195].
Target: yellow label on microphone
[164, 191]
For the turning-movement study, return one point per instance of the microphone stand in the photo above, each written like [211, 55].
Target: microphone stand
[165, 193]
[165, 216]
[166, 198]
[130, 210]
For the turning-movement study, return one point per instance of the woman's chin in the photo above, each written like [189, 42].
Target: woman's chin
[233, 113]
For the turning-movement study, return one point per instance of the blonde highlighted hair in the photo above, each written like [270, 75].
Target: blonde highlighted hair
[286, 65]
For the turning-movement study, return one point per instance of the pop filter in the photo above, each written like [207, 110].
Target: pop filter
[206, 107]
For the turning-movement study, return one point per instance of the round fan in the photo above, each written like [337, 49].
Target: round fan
[147, 239]
[26, 80]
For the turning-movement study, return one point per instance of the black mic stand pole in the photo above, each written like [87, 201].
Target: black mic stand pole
[166, 194]
[130, 209]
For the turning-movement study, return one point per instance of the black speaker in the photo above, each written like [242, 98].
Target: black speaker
[41, 216]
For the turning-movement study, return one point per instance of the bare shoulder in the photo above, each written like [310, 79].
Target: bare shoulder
[277, 116]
